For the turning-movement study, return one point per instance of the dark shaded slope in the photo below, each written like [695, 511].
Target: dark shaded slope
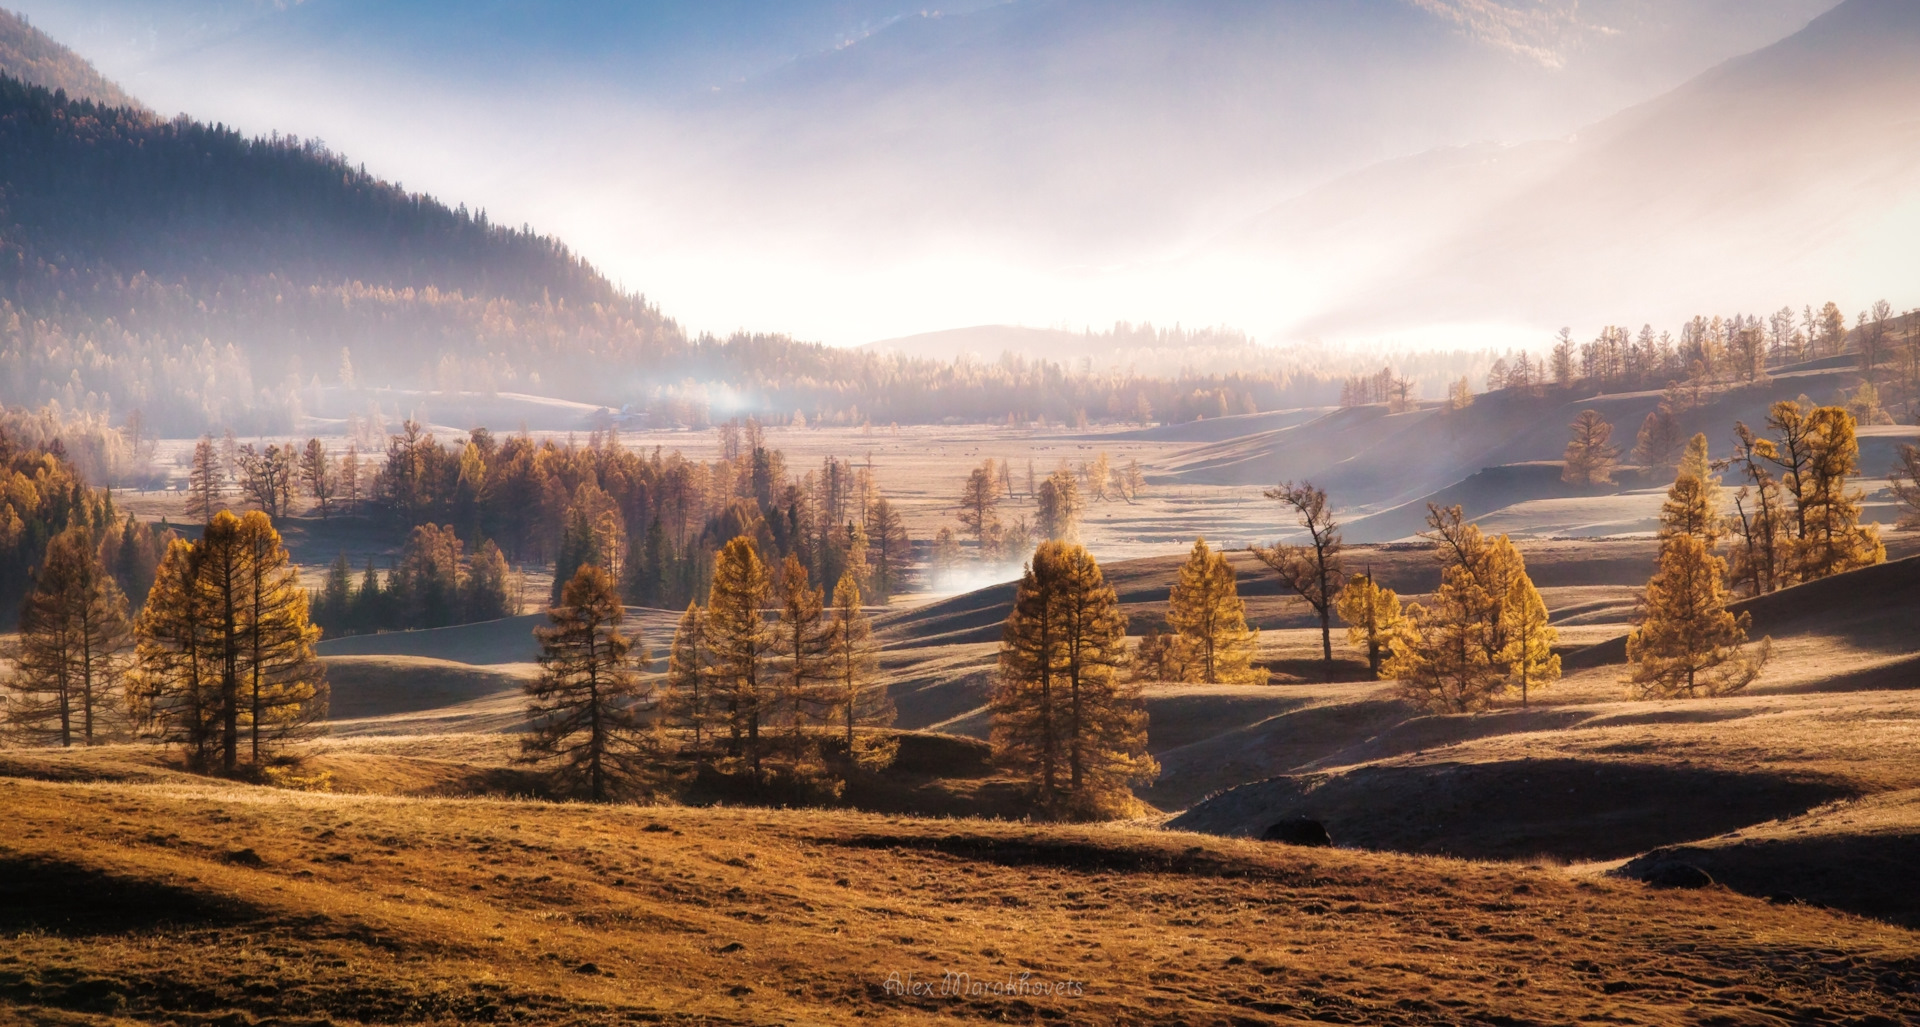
[1873, 608]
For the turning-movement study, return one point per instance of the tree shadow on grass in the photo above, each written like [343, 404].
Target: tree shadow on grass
[64, 899]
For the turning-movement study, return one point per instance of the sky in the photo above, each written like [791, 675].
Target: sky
[853, 170]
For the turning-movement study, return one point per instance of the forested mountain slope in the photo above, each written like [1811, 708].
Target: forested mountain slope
[208, 279]
[32, 56]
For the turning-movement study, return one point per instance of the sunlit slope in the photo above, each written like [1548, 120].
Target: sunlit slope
[1382, 467]
[149, 903]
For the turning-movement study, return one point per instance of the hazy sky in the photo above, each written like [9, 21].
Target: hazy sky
[859, 169]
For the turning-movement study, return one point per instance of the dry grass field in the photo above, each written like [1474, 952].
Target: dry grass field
[166, 900]
[1487, 871]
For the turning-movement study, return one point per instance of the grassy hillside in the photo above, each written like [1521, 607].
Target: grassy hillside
[150, 902]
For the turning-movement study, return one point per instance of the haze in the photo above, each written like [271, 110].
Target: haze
[864, 169]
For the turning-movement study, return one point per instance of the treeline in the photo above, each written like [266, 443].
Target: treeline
[1740, 349]
[1486, 631]
[770, 684]
[43, 496]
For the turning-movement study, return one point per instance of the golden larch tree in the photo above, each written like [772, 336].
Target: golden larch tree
[689, 703]
[1833, 541]
[853, 659]
[587, 711]
[1591, 455]
[68, 662]
[1688, 643]
[1759, 525]
[1062, 717]
[742, 647]
[1209, 621]
[801, 642]
[1456, 653]
[1528, 655]
[225, 646]
[1372, 615]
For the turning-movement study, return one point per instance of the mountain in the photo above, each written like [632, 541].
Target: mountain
[1786, 175]
[207, 279]
[30, 55]
[862, 169]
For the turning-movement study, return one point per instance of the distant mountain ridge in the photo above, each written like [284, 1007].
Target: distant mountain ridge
[1788, 175]
[33, 57]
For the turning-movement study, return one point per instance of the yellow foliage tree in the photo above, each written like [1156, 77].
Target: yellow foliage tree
[1372, 615]
[1591, 455]
[1456, 653]
[740, 647]
[225, 646]
[1688, 643]
[1061, 715]
[585, 712]
[1210, 622]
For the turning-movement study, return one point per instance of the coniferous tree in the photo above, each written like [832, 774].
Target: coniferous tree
[979, 501]
[317, 475]
[1058, 507]
[68, 659]
[1688, 510]
[1833, 540]
[1159, 656]
[1591, 455]
[946, 557]
[742, 647]
[1311, 571]
[690, 703]
[1210, 622]
[284, 689]
[206, 481]
[853, 659]
[802, 640]
[1658, 445]
[174, 692]
[1688, 643]
[429, 577]
[485, 590]
[1061, 715]
[1904, 480]
[1761, 553]
[1454, 654]
[226, 645]
[1372, 615]
[892, 551]
[585, 711]
[369, 601]
[1528, 655]
[332, 609]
